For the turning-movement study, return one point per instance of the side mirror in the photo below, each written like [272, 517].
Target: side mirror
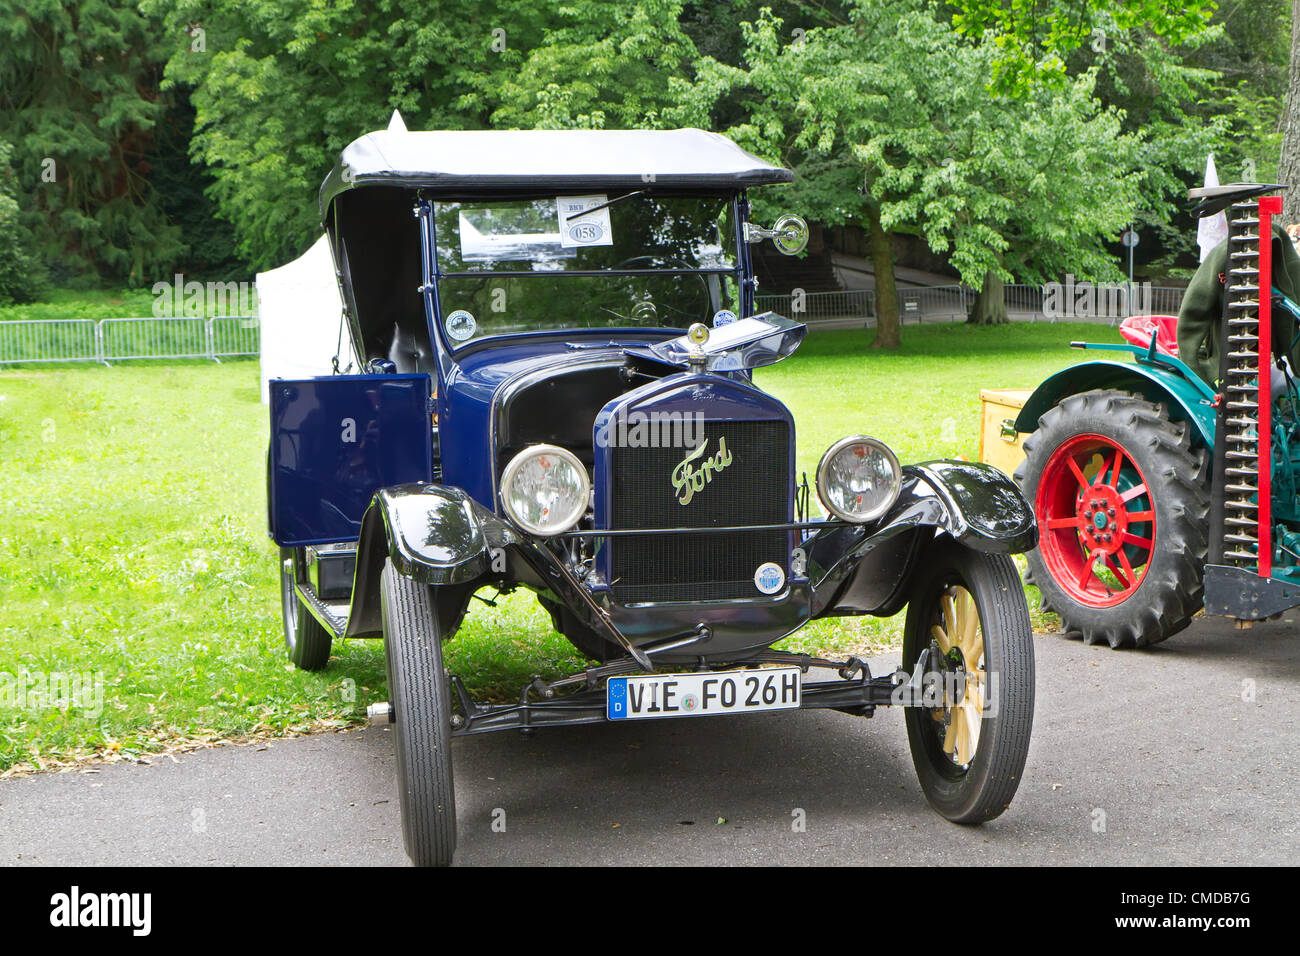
[789, 234]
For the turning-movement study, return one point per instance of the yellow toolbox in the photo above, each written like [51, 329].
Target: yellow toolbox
[999, 443]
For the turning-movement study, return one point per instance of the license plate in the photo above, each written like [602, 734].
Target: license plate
[703, 694]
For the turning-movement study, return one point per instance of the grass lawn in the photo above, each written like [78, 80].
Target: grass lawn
[133, 545]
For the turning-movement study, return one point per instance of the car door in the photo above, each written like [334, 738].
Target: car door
[335, 440]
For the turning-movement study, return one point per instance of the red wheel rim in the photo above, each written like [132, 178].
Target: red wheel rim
[1096, 521]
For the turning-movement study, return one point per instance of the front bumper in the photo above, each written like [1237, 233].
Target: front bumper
[580, 699]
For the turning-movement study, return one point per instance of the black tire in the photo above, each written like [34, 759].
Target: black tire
[419, 693]
[981, 787]
[1176, 472]
[307, 640]
[1043, 604]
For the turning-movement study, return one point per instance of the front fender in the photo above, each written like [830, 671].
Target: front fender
[440, 536]
[867, 569]
[433, 533]
[981, 507]
[1186, 396]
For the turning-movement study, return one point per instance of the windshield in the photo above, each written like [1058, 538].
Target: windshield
[626, 260]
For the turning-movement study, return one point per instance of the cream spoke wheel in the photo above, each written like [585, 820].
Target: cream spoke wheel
[950, 736]
[963, 751]
[971, 721]
[960, 630]
[948, 607]
[968, 633]
[941, 638]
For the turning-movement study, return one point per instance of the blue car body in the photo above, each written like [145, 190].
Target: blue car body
[415, 478]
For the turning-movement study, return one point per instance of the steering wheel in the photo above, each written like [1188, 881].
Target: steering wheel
[641, 309]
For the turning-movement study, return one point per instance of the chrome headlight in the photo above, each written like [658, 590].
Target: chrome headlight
[858, 479]
[545, 489]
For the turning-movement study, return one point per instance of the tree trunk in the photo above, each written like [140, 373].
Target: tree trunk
[882, 263]
[1288, 167]
[990, 306]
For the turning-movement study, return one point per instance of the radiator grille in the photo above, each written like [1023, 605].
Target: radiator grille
[753, 489]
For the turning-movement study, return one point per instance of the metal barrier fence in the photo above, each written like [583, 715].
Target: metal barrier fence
[934, 302]
[1164, 301]
[26, 341]
[64, 340]
[953, 303]
[820, 306]
[1024, 300]
[107, 340]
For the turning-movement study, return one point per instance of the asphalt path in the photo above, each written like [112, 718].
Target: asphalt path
[1184, 754]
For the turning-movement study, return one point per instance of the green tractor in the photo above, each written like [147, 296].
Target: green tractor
[1158, 492]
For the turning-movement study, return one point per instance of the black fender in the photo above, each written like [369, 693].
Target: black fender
[440, 536]
[982, 507]
[436, 535]
[867, 569]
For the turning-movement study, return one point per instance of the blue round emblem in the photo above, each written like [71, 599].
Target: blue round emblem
[769, 578]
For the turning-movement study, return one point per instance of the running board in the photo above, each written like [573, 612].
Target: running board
[332, 615]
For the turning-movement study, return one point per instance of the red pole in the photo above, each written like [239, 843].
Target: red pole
[1269, 206]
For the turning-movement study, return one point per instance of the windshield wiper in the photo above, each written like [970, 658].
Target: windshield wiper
[605, 205]
[611, 344]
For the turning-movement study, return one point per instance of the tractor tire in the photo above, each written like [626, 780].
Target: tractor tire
[1122, 540]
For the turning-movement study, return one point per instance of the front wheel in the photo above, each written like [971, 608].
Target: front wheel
[419, 693]
[970, 742]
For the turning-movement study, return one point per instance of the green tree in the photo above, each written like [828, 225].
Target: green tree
[1033, 39]
[183, 186]
[1289, 152]
[600, 65]
[78, 97]
[1217, 92]
[280, 89]
[889, 121]
[20, 273]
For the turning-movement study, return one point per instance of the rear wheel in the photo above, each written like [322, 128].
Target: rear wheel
[1121, 499]
[968, 609]
[419, 693]
[308, 641]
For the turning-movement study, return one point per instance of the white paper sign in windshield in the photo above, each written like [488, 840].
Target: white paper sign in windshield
[507, 234]
[580, 228]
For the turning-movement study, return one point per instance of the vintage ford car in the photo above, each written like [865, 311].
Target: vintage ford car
[555, 337]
